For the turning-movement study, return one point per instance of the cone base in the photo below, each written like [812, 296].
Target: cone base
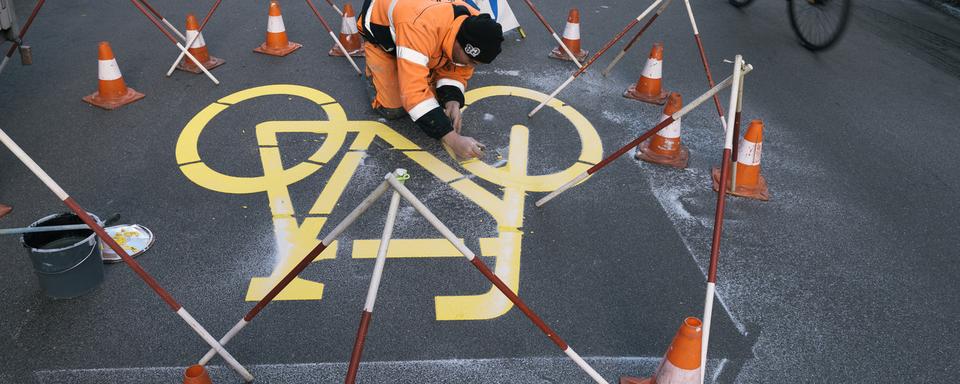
[559, 54]
[635, 380]
[113, 102]
[631, 93]
[756, 192]
[264, 49]
[680, 159]
[335, 51]
[187, 65]
[196, 374]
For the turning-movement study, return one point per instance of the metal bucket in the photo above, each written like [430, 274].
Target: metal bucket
[66, 262]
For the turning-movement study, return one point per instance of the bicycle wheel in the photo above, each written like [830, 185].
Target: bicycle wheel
[740, 3]
[818, 23]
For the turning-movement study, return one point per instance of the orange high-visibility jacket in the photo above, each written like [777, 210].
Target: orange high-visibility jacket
[421, 33]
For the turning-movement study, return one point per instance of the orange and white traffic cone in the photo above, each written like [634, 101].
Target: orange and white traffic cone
[277, 43]
[198, 49]
[571, 38]
[196, 374]
[349, 35]
[112, 93]
[649, 88]
[681, 365]
[747, 180]
[665, 147]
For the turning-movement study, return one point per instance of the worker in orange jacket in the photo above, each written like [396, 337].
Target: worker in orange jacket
[420, 55]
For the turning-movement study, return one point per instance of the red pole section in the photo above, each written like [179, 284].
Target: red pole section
[553, 33]
[347, 221]
[335, 8]
[155, 22]
[102, 234]
[319, 17]
[735, 96]
[164, 20]
[629, 45]
[209, 14]
[373, 289]
[703, 59]
[23, 30]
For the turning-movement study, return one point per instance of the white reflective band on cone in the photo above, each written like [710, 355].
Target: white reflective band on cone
[198, 43]
[749, 152]
[275, 24]
[672, 131]
[421, 109]
[653, 69]
[669, 373]
[349, 26]
[108, 70]
[572, 31]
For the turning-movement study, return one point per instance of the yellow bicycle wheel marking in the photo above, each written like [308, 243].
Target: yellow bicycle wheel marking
[295, 238]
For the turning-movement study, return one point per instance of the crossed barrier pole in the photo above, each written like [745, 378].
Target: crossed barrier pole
[394, 181]
[173, 40]
[133, 264]
[646, 135]
[193, 39]
[736, 100]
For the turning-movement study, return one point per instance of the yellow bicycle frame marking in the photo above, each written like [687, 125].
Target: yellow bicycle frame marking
[294, 240]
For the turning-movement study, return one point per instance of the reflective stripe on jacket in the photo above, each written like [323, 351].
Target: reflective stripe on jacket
[421, 34]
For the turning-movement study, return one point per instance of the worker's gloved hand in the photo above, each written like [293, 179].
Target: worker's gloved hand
[452, 110]
[463, 146]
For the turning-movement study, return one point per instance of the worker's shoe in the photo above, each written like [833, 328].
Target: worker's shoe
[5, 209]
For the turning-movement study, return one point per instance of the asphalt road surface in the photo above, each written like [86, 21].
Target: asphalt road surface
[845, 275]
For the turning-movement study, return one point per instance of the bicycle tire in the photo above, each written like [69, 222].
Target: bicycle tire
[740, 3]
[809, 38]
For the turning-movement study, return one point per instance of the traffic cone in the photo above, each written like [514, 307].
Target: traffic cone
[665, 147]
[681, 364]
[749, 182]
[349, 35]
[277, 43]
[571, 38]
[648, 88]
[196, 374]
[112, 93]
[198, 49]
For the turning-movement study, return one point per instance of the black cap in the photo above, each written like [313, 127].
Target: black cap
[481, 36]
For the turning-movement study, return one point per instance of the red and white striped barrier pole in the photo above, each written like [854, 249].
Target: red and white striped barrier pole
[367, 314]
[334, 36]
[646, 135]
[164, 20]
[553, 33]
[436, 223]
[335, 8]
[636, 37]
[735, 93]
[177, 43]
[706, 63]
[596, 56]
[193, 39]
[102, 234]
[23, 32]
[316, 251]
